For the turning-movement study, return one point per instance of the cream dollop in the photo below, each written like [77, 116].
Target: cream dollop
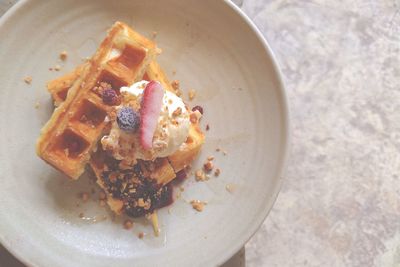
[171, 132]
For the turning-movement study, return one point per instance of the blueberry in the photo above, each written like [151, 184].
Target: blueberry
[199, 108]
[127, 119]
[110, 97]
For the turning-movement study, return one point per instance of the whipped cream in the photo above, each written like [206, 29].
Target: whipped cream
[171, 132]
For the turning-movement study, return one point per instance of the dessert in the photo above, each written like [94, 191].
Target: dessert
[119, 114]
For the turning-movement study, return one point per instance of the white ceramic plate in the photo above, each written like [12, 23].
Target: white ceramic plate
[214, 49]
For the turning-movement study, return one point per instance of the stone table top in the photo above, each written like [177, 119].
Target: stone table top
[340, 202]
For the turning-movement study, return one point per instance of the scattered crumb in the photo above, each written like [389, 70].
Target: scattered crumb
[230, 188]
[209, 158]
[81, 215]
[200, 175]
[207, 127]
[224, 152]
[154, 34]
[77, 205]
[175, 84]
[92, 191]
[37, 105]
[192, 94]
[50, 69]
[63, 55]
[173, 72]
[198, 205]
[84, 196]
[28, 79]
[177, 112]
[218, 149]
[181, 188]
[193, 117]
[128, 224]
[169, 210]
[217, 172]
[141, 235]
[208, 166]
[102, 203]
[57, 68]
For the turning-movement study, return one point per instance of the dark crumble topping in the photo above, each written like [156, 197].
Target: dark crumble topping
[140, 194]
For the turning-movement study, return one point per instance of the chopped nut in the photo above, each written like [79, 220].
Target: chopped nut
[141, 235]
[28, 79]
[208, 166]
[63, 55]
[198, 205]
[175, 84]
[217, 172]
[57, 68]
[177, 112]
[128, 224]
[200, 175]
[192, 94]
[84, 196]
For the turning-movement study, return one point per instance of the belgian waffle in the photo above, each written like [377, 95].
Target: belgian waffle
[161, 172]
[71, 134]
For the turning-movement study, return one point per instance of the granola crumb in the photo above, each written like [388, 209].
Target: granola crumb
[200, 175]
[141, 235]
[207, 127]
[28, 79]
[192, 94]
[198, 205]
[208, 166]
[57, 68]
[217, 172]
[63, 55]
[37, 105]
[128, 224]
[81, 215]
[84, 196]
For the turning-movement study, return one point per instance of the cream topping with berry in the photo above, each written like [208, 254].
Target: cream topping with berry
[162, 111]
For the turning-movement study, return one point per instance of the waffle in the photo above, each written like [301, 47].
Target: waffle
[162, 172]
[69, 137]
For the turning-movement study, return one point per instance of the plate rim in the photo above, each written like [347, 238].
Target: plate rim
[286, 138]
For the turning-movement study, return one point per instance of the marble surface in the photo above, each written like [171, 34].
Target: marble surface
[340, 204]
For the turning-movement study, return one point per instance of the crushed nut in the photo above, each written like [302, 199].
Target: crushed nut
[192, 94]
[177, 112]
[63, 55]
[198, 205]
[200, 175]
[217, 172]
[128, 224]
[28, 79]
[208, 166]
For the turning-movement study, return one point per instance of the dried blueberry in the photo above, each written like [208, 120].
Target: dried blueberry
[198, 108]
[128, 119]
[110, 97]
